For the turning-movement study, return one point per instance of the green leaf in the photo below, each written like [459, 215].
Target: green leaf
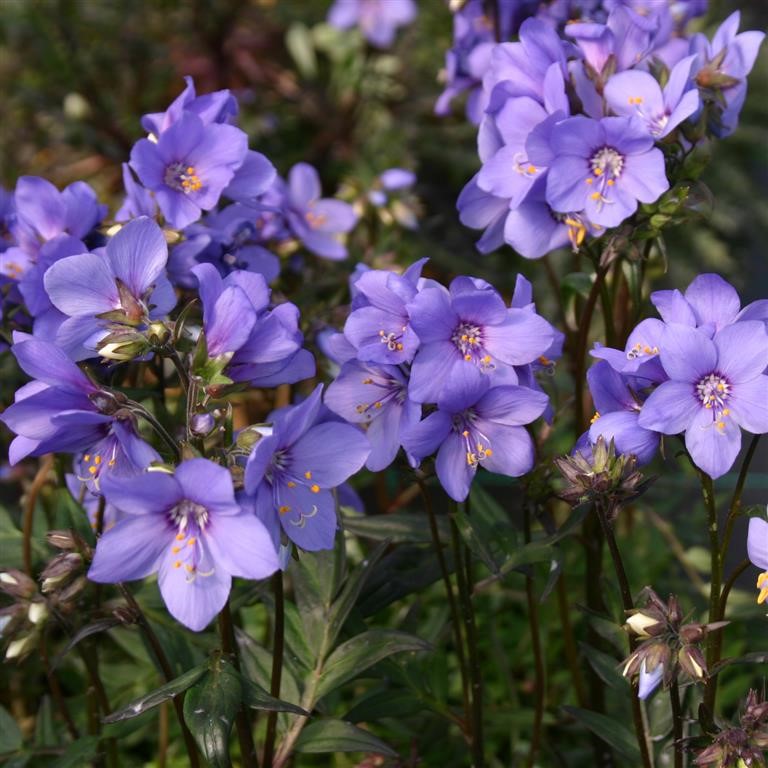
[617, 736]
[45, 730]
[210, 707]
[397, 528]
[100, 625]
[576, 283]
[351, 592]
[339, 736]
[10, 735]
[78, 753]
[256, 697]
[363, 651]
[316, 579]
[758, 657]
[299, 43]
[387, 703]
[296, 638]
[605, 665]
[165, 692]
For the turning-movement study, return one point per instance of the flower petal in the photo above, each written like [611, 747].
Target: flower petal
[742, 350]
[713, 449]
[131, 549]
[207, 484]
[310, 521]
[671, 408]
[757, 542]
[242, 546]
[331, 452]
[453, 470]
[138, 254]
[687, 354]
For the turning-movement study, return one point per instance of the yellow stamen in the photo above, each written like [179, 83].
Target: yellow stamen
[93, 470]
[308, 475]
[175, 550]
[177, 564]
[315, 488]
[181, 536]
[283, 509]
[192, 541]
[291, 484]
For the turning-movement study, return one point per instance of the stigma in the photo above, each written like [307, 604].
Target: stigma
[182, 178]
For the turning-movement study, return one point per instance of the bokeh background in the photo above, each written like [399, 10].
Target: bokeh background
[77, 75]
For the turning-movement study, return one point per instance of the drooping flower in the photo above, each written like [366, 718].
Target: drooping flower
[716, 385]
[188, 527]
[378, 20]
[109, 299]
[469, 325]
[375, 396]
[638, 93]
[604, 168]
[476, 424]
[189, 166]
[292, 471]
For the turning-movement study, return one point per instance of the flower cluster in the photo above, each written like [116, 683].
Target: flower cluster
[459, 356]
[186, 501]
[669, 648]
[700, 370]
[377, 20]
[577, 126]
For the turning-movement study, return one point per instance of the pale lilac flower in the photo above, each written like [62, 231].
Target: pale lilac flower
[378, 20]
[757, 550]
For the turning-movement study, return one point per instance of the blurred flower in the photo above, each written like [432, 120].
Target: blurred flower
[378, 19]
[757, 550]
[188, 527]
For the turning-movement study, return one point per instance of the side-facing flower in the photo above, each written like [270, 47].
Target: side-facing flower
[112, 295]
[477, 424]
[187, 527]
[292, 471]
[757, 550]
[375, 396]
[715, 386]
[189, 166]
[317, 221]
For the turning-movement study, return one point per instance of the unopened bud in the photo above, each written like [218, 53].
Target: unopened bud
[66, 540]
[17, 584]
[640, 623]
[20, 647]
[158, 334]
[37, 613]
[692, 661]
[201, 424]
[73, 590]
[60, 570]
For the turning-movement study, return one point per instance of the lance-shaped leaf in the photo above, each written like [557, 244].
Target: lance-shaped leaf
[397, 528]
[78, 753]
[210, 708]
[100, 625]
[354, 656]
[255, 697]
[339, 736]
[10, 735]
[616, 735]
[168, 691]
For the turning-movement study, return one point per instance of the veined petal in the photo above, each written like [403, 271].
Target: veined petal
[713, 300]
[453, 470]
[138, 254]
[149, 494]
[749, 405]
[713, 448]
[511, 405]
[671, 408]
[687, 354]
[742, 350]
[424, 438]
[131, 549]
[757, 542]
[330, 453]
[46, 362]
[512, 449]
[242, 546]
[308, 519]
[207, 484]
[82, 285]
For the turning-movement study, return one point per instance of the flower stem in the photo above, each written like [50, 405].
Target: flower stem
[628, 603]
[39, 481]
[166, 670]
[277, 667]
[452, 605]
[677, 723]
[735, 508]
[242, 721]
[539, 673]
[470, 629]
[140, 410]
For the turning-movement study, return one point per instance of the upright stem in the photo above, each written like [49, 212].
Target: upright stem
[452, 605]
[628, 603]
[475, 670]
[539, 683]
[571, 654]
[29, 510]
[677, 723]
[242, 721]
[277, 666]
[166, 669]
[53, 682]
[735, 508]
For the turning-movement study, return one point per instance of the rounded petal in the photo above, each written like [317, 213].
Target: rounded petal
[138, 254]
[453, 470]
[757, 542]
[207, 484]
[424, 438]
[628, 435]
[330, 452]
[742, 350]
[310, 518]
[46, 362]
[242, 546]
[671, 408]
[713, 449]
[644, 176]
[511, 405]
[522, 338]
[713, 300]
[513, 452]
[749, 405]
[303, 185]
[149, 494]
[131, 549]
[687, 354]
[82, 285]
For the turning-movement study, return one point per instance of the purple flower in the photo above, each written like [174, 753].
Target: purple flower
[187, 527]
[378, 19]
[216, 107]
[90, 502]
[227, 239]
[715, 386]
[477, 424]
[118, 292]
[638, 93]
[617, 409]
[292, 471]
[375, 396]
[189, 166]
[252, 179]
[379, 328]
[469, 325]
[317, 222]
[138, 201]
[640, 357]
[648, 682]
[757, 550]
[722, 68]
[253, 343]
[63, 411]
[604, 167]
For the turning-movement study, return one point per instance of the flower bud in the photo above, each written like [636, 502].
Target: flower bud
[640, 623]
[20, 647]
[66, 540]
[37, 612]
[158, 334]
[73, 590]
[201, 424]
[692, 661]
[17, 584]
[60, 571]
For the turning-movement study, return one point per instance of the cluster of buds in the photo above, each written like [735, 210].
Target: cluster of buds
[22, 620]
[604, 478]
[742, 746]
[669, 647]
[64, 577]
